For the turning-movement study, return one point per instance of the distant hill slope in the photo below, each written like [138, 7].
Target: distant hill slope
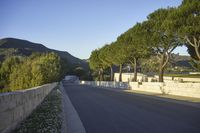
[18, 47]
[181, 60]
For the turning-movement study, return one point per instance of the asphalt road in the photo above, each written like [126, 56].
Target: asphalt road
[106, 111]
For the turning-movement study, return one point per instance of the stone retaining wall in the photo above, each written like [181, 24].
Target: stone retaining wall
[126, 77]
[16, 106]
[184, 79]
[122, 85]
[172, 88]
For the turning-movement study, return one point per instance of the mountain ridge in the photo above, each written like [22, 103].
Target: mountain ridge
[14, 46]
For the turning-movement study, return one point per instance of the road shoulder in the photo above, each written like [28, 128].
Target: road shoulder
[189, 101]
[71, 119]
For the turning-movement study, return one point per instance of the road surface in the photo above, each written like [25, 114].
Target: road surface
[106, 111]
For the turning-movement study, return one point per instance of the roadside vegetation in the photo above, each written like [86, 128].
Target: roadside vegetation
[46, 118]
[183, 75]
[26, 72]
[150, 44]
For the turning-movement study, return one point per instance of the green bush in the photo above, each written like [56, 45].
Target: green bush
[35, 71]
[6, 69]
[26, 72]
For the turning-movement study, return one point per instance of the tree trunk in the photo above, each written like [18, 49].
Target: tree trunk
[161, 69]
[111, 73]
[195, 44]
[120, 72]
[197, 52]
[101, 75]
[161, 72]
[135, 70]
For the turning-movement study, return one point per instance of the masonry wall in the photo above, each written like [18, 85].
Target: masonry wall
[16, 106]
[126, 77]
[172, 88]
[121, 85]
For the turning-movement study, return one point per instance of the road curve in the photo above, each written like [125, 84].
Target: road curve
[105, 111]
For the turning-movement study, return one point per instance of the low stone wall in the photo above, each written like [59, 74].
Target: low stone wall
[188, 79]
[147, 86]
[128, 77]
[16, 106]
[183, 89]
[172, 88]
[183, 79]
[121, 85]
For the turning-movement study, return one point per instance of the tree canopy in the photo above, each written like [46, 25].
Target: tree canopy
[186, 21]
[96, 63]
[164, 30]
[135, 45]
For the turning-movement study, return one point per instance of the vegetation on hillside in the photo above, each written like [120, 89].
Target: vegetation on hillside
[164, 30]
[24, 64]
[17, 47]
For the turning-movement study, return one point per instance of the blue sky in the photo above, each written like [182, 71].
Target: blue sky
[76, 26]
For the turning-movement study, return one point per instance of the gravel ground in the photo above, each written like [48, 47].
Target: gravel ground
[46, 118]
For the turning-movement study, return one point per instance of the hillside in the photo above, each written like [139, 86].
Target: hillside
[181, 60]
[18, 47]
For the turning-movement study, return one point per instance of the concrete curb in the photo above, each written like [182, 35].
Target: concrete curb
[71, 120]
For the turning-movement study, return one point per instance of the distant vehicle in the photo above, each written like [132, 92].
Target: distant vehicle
[71, 79]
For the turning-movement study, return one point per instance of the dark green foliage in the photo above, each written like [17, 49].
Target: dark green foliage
[6, 69]
[135, 45]
[164, 39]
[80, 72]
[106, 56]
[186, 21]
[35, 66]
[96, 63]
[21, 73]
[191, 51]
[196, 65]
[65, 68]
[164, 30]
[150, 65]
[35, 71]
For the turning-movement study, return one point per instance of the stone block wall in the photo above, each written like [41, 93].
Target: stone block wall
[172, 88]
[122, 85]
[183, 89]
[16, 106]
[127, 77]
[147, 86]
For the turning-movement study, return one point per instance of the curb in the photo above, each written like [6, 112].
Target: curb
[71, 120]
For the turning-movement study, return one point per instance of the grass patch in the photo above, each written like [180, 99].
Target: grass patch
[46, 118]
[4, 90]
[183, 75]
